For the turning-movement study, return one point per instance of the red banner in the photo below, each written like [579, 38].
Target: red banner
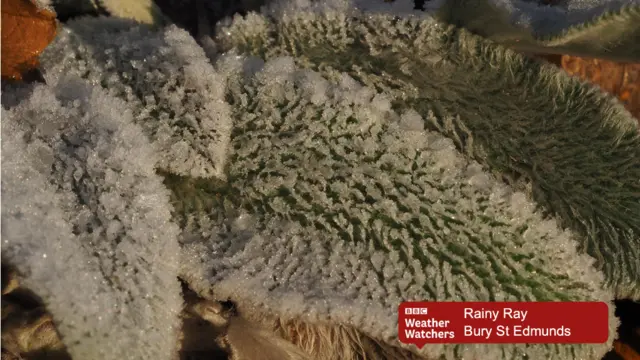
[423, 323]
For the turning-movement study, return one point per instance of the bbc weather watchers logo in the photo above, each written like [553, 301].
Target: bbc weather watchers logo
[416, 311]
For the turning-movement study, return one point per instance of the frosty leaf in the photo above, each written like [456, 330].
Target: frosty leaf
[603, 29]
[87, 222]
[176, 95]
[339, 208]
[332, 195]
[499, 108]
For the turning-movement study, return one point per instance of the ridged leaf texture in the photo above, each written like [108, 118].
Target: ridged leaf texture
[575, 150]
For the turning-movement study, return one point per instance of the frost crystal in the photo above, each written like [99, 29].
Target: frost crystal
[329, 165]
[175, 93]
[497, 117]
[355, 215]
[87, 222]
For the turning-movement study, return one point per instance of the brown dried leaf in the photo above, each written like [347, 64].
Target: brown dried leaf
[625, 351]
[619, 79]
[26, 31]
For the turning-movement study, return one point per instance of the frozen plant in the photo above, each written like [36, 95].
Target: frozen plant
[330, 162]
[87, 222]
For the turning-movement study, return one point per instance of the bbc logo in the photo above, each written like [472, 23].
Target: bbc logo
[416, 311]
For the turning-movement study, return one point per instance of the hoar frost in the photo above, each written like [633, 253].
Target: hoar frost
[355, 208]
[87, 222]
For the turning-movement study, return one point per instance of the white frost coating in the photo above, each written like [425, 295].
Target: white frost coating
[396, 56]
[87, 222]
[349, 207]
[176, 95]
[351, 216]
[411, 121]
